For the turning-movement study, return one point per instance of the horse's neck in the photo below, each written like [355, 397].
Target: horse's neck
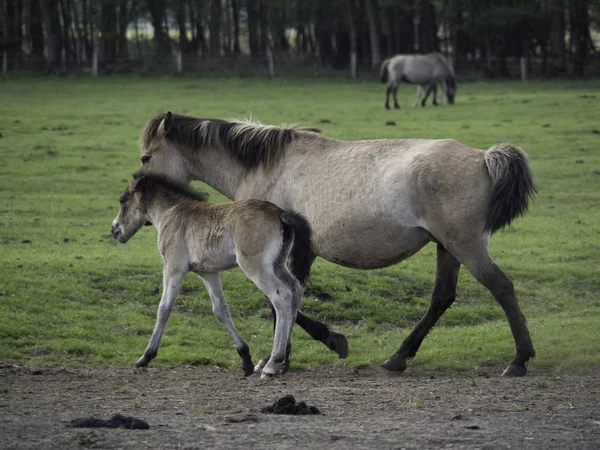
[219, 170]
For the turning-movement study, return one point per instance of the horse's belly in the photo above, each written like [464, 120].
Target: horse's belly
[379, 245]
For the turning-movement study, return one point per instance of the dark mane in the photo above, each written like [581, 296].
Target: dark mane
[172, 185]
[251, 143]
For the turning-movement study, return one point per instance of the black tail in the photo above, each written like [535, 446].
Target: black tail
[383, 72]
[301, 253]
[512, 185]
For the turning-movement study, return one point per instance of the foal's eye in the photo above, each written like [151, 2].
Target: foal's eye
[145, 159]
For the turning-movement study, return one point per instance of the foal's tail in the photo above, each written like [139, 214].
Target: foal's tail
[301, 253]
[383, 72]
[512, 185]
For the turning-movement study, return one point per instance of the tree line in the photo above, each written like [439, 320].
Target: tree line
[63, 35]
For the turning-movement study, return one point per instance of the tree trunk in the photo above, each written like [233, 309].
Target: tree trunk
[14, 33]
[352, 28]
[252, 9]
[215, 28]
[235, 11]
[579, 35]
[324, 33]
[405, 42]
[181, 16]
[373, 33]
[161, 39]
[108, 32]
[53, 35]
[36, 30]
[264, 26]
[558, 40]
[125, 17]
[68, 38]
[427, 27]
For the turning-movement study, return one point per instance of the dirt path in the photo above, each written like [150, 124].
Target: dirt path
[200, 408]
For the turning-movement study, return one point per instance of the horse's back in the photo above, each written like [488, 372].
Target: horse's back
[419, 69]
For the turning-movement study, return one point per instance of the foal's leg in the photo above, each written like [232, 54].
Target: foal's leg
[172, 280]
[212, 281]
[443, 296]
[283, 297]
[485, 270]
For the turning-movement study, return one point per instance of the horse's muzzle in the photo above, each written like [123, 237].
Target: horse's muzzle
[115, 230]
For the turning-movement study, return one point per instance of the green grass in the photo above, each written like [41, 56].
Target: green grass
[70, 295]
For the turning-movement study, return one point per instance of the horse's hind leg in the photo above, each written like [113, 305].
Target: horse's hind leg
[443, 296]
[212, 281]
[387, 96]
[485, 270]
[172, 281]
[395, 92]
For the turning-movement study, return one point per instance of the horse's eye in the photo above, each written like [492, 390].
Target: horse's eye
[145, 159]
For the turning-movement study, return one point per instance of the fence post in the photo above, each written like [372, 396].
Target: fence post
[95, 60]
[179, 61]
[523, 65]
[270, 61]
[353, 64]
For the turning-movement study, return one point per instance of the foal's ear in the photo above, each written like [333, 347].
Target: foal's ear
[139, 182]
[166, 124]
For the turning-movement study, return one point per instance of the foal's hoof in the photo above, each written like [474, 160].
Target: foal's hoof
[394, 363]
[514, 371]
[261, 364]
[272, 370]
[338, 343]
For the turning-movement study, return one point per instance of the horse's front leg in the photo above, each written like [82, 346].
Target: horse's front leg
[434, 88]
[172, 280]
[212, 281]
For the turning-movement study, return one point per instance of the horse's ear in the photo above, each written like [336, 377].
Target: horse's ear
[166, 124]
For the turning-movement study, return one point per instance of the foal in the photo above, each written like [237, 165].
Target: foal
[207, 238]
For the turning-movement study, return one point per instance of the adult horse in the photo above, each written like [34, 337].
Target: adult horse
[370, 203]
[427, 71]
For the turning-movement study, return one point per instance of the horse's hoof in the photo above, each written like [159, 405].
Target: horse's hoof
[338, 343]
[142, 362]
[514, 371]
[387, 107]
[248, 368]
[394, 363]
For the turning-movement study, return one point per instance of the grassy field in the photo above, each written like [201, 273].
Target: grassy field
[70, 295]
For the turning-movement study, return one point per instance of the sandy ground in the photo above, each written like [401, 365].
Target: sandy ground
[200, 408]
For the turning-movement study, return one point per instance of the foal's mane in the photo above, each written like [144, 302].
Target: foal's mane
[171, 185]
[251, 142]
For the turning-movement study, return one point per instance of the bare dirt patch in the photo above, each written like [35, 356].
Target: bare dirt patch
[196, 408]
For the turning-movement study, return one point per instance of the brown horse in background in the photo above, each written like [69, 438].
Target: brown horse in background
[371, 204]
